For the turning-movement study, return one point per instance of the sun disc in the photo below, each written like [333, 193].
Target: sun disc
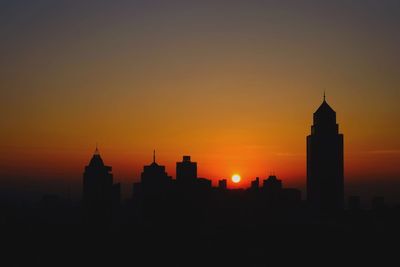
[236, 178]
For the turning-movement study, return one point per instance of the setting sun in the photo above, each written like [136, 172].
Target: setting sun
[236, 178]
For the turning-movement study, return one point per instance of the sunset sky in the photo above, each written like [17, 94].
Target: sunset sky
[231, 83]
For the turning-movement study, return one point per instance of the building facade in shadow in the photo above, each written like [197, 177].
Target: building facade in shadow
[325, 171]
[100, 194]
[154, 176]
[186, 171]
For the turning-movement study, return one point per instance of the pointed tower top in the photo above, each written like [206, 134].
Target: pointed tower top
[96, 158]
[324, 108]
[154, 163]
[96, 152]
[324, 96]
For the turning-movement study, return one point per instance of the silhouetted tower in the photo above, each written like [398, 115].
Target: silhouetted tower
[255, 184]
[99, 193]
[222, 184]
[325, 174]
[272, 183]
[186, 171]
[154, 175]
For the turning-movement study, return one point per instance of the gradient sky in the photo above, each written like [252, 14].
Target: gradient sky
[231, 83]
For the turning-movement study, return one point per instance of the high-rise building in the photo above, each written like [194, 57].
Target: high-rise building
[154, 175]
[255, 184]
[223, 184]
[99, 192]
[272, 183]
[186, 171]
[325, 171]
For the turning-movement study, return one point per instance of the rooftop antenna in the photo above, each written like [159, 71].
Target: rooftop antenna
[97, 149]
[324, 95]
[154, 156]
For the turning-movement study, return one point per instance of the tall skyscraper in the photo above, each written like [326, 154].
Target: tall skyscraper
[325, 171]
[99, 192]
[154, 175]
[272, 184]
[186, 171]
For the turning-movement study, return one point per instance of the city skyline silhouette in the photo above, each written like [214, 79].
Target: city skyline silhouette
[246, 182]
[199, 133]
[231, 84]
[189, 211]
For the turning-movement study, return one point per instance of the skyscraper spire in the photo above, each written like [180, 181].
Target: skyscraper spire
[325, 176]
[154, 156]
[96, 152]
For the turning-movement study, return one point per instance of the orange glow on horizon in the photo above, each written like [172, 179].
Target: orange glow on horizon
[232, 91]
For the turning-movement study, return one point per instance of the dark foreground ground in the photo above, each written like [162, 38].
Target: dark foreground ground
[320, 243]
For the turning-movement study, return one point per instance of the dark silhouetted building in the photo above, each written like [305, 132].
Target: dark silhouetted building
[99, 192]
[186, 171]
[272, 183]
[204, 183]
[154, 176]
[255, 184]
[325, 185]
[222, 184]
[273, 194]
[154, 195]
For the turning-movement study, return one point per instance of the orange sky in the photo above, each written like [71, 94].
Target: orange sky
[234, 86]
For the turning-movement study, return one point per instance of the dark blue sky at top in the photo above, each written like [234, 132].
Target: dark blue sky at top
[52, 29]
[26, 24]
[25, 18]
